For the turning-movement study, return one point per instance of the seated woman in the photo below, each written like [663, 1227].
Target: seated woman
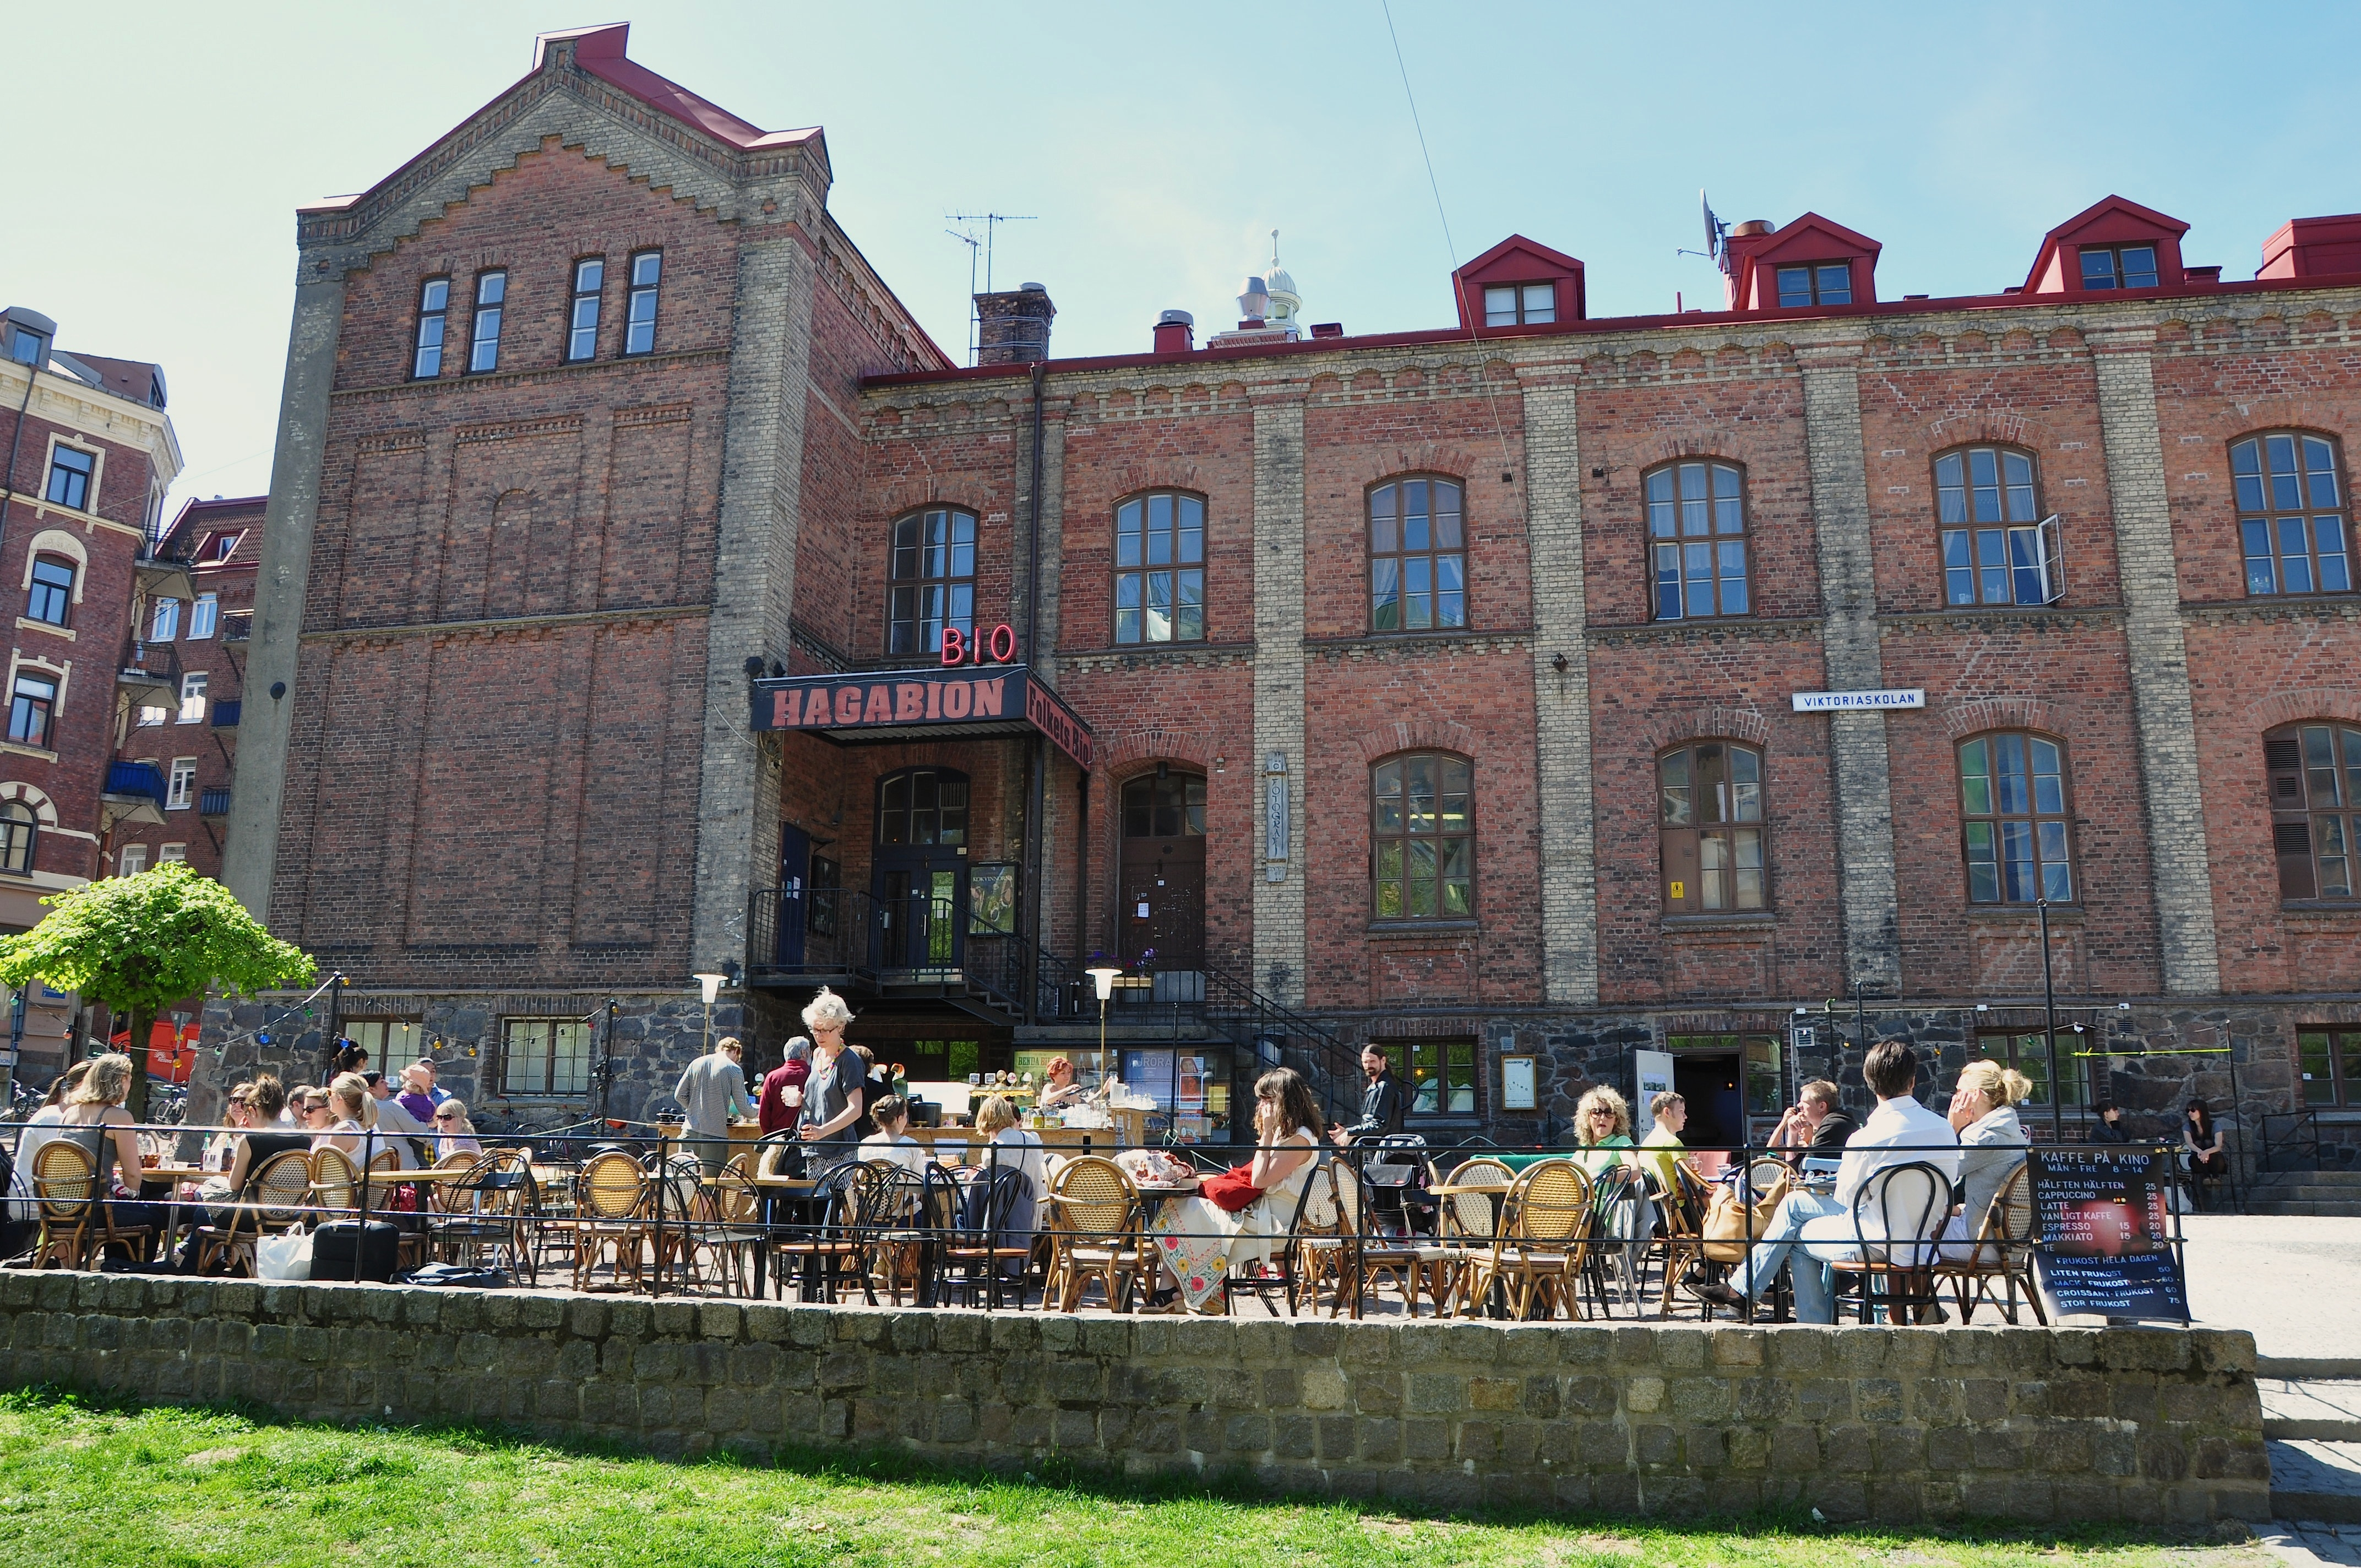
[454, 1134]
[96, 1119]
[1059, 1089]
[892, 1142]
[2201, 1146]
[1983, 1113]
[1603, 1123]
[1011, 1145]
[352, 1111]
[1199, 1243]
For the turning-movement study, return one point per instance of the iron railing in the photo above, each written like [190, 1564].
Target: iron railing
[226, 712]
[212, 803]
[2299, 1147]
[135, 778]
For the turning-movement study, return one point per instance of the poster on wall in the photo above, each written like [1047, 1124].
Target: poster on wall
[2104, 1242]
[991, 899]
[1654, 1072]
[1519, 1089]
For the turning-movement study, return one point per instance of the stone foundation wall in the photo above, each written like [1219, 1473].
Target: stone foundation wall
[2152, 1425]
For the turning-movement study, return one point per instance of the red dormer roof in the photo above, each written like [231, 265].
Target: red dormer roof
[1755, 259]
[200, 523]
[2058, 269]
[1516, 260]
[600, 51]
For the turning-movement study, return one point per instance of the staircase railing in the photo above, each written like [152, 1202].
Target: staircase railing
[835, 924]
[2300, 1145]
[1318, 1054]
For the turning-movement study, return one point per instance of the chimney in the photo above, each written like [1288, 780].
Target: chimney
[1014, 328]
[1176, 332]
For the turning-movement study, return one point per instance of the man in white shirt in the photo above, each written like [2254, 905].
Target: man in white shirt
[1899, 1132]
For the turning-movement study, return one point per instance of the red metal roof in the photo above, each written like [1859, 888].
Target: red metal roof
[600, 51]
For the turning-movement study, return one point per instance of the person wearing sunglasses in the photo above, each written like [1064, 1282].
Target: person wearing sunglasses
[454, 1134]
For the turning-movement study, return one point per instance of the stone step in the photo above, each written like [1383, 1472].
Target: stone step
[2308, 1368]
[2315, 1480]
[2323, 1177]
[2322, 1411]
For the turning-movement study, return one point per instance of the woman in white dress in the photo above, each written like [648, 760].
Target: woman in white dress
[1199, 1243]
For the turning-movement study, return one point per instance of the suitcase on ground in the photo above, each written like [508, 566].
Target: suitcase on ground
[346, 1249]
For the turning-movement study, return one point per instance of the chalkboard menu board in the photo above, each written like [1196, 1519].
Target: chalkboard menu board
[2104, 1242]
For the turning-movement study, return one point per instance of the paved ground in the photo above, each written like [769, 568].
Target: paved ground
[2294, 1281]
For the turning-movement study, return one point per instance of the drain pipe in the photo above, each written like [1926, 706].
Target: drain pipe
[1037, 762]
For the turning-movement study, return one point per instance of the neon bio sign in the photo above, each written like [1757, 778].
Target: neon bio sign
[997, 646]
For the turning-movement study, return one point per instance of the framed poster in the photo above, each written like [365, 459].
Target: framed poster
[991, 899]
[1520, 1084]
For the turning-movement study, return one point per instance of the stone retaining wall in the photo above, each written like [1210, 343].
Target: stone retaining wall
[2150, 1425]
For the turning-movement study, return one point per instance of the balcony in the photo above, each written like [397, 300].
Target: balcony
[212, 803]
[165, 577]
[150, 676]
[236, 625]
[225, 713]
[134, 792]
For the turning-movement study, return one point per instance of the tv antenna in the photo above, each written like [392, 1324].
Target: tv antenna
[979, 245]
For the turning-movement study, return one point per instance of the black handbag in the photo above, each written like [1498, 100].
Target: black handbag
[354, 1250]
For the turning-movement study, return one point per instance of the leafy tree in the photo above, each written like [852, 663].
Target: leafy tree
[140, 943]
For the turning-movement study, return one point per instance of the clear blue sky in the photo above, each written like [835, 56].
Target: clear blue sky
[157, 151]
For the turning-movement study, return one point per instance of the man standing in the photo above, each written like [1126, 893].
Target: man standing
[1382, 1105]
[712, 1091]
[1808, 1231]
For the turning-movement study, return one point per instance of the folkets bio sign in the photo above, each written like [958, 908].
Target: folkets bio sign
[993, 699]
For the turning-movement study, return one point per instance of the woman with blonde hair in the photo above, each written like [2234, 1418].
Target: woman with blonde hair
[1602, 1121]
[454, 1133]
[1983, 1113]
[1200, 1241]
[96, 1119]
[354, 1110]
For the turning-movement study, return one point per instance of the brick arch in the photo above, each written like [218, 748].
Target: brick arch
[909, 494]
[1123, 755]
[1996, 426]
[44, 808]
[1964, 719]
[1415, 735]
[1729, 447]
[2282, 414]
[1708, 724]
[2307, 701]
[1448, 459]
[1158, 472]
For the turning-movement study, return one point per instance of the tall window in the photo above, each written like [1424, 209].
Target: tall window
[484, 351]
[2119, 267]
[1423, 838]
[2330, 1061]
[2290, 514]
[934, 580]
[2029, 1054]
[1709, 805]
[2012, 805]
[1160, 573]
[2315, 783]
[433, 307]
[70, 471]
[193, 698]
[924, 805]
[52, 599]
[32, 704]
[1441, 1074]
[1997, 548]
[640, 314]
[390, 1042]
[545, 1056]
[202, 617]
[1815, 284]
[165, 623]
[131, 859]
[181, 790]
[1418, 567]
[1696, 525]
[1520, 304]
[582, 309]
[19, 828]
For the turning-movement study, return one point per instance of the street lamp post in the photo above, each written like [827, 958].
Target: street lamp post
[2049, 1021]
[711, 985]
[1105, 979]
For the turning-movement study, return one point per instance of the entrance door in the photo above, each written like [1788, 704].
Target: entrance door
[920, 876]
[794, 860]
[1162, 918]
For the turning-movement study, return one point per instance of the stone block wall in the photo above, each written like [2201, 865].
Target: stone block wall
[2154, 1425]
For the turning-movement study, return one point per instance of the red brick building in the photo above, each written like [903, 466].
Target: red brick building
[1528, 697]
[90, 451]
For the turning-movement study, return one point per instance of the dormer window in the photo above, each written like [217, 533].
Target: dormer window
[2119, 267]
[1520, 304]
[1815, 284]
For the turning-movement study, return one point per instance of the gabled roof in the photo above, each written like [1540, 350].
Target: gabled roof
[1814, 238]
[600, 51]
[1516, 260]
[2111, 220]
[1515, 247]
[200, 519]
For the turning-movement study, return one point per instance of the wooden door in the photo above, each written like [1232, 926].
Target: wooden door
[1162, 880]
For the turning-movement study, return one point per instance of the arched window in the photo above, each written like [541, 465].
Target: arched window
[922, 805]
[1998, 547]
[1423, 838]
[2315, 781]
[51, 599]
[2014, 820]
[1170, 806]
[2291, 521]
[1159, 568]
[18, 828]
[1697, 532]
[1418, 565]
[934, 580]
[1709, 808]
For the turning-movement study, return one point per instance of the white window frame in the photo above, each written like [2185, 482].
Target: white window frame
[165, 854]
[180, 786]
[1521, 310]
[193, 698]
[163, 620]
[94, 451]
[57, 542]
[131, 859]
[203, 616]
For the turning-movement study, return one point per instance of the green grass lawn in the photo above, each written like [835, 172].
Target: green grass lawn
[81, 1484]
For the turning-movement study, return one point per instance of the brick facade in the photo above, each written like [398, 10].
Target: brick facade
[513, 757]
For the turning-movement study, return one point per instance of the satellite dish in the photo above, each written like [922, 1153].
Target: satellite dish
[1715, 245]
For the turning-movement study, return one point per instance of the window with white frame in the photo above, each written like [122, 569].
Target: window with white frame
[193, 698]
[183, 787]
[73, 473]
[170, 853]
[1520, 304]
[32, 708]
[131, 859]
[545, 1056]
[165, 623]
[203, 616]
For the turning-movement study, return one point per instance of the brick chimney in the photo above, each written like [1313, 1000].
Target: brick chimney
[1176, 332]
[1014, 328]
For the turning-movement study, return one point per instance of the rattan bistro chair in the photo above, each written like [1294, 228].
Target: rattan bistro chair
[1094, 1234]
[1543, 1242]
[1351, 1259]
[76, 1225]
[275, 1199]
[610, 1218]
[1468, 1221]
[2003, 1250]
